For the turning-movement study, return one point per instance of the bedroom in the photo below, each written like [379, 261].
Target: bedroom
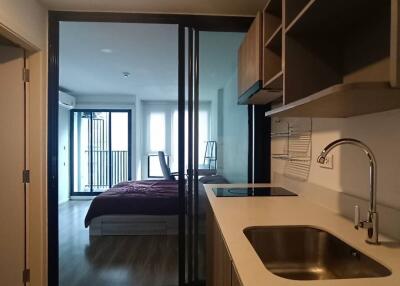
[118, 109]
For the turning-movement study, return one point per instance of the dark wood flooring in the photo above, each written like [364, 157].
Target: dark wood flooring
[112, 260]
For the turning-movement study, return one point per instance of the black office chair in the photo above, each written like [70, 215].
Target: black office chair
[164, 167]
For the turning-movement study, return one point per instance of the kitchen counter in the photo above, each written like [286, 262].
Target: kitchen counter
[233, 214]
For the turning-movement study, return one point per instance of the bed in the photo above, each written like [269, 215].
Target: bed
[135, 208]
[147, 207]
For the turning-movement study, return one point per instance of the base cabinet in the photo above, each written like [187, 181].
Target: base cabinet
[235, 277]
[220, 268]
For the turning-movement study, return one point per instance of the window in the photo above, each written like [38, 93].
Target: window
[157, 131]
[101, 149]
[204, 133]
[161, 134]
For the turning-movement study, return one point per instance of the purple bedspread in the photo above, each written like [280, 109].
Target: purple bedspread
[150, 197]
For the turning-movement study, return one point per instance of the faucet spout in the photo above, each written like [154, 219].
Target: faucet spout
[372, 223]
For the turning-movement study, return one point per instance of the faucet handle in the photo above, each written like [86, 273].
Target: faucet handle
[356, 216]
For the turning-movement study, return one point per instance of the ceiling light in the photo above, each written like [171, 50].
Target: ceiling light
[106, 51]
[126, 74]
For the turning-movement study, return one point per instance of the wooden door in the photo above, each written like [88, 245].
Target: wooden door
[12, 164]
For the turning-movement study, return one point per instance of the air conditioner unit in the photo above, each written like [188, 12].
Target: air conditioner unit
[65, 100]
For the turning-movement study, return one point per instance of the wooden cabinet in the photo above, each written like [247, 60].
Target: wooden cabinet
[339, 68]
[220, 268]
[235, 277]
[260, 83]
[331, 58]
[249, 59]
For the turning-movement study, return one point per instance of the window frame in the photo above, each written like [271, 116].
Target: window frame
[72, 162]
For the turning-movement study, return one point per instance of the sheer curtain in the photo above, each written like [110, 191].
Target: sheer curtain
[161, 134]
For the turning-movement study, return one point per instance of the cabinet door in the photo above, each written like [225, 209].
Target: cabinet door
[250, 53]
[219, 263]
[235, 277]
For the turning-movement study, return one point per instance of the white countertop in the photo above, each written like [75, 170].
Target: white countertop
[234, 214]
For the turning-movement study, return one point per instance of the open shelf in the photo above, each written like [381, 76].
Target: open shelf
[275, 40]
[335, 17]
[272, 63]
[272, 74]
[324, 58]
[343, 100]
[294, 9]
[275, 83]
[272, 18]
[264, 96]
[321, 51]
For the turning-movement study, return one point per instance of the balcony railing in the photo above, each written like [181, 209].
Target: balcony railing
[101, 169]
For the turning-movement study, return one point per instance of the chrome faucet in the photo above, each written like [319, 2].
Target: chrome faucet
[371, 224]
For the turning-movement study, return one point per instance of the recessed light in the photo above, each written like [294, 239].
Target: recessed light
[106, 51]
[126, 74]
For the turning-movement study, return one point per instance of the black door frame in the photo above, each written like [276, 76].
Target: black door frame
[202, 23]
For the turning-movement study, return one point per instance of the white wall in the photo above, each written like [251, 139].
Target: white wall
[349, 177]
[63, 154]
[27, 19]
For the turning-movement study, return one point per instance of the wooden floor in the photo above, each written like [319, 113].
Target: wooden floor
[112, 260]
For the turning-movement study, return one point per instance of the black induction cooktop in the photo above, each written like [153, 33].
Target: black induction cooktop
[252, 192]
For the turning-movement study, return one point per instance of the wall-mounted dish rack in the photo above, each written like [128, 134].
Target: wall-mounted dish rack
[295, 137]
[292, 142]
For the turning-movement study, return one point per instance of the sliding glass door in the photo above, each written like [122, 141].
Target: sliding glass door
[217, 133]
[100, 150]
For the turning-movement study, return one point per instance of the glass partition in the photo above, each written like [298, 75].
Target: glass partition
[228, 135]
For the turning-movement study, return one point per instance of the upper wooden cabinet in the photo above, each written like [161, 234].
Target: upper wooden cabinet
[260, 83]
[330, 58]
[249, 60]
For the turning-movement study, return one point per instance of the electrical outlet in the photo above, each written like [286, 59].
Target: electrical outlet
[328, 164]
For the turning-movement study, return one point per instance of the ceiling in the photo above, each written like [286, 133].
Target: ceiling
[94, 56]
[148, 52]
[215, 7]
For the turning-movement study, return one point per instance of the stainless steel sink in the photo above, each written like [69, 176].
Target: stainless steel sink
[307, 253]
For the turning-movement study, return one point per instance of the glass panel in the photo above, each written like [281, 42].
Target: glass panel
[119, 147]
[101, 152]
[131, 66]
[223, 124]
[218, 88]
[204, 138]
[81, 133]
